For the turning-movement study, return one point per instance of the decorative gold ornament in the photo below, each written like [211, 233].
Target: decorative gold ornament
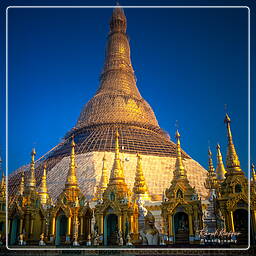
[220, 169]
[140, 188]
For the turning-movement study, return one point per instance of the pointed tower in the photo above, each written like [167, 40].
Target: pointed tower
[103, 180]
[180, 186]
[211, 181]
[220, 169]
[71, 186]
[180, 172]
[117, 174]
[232, 161]
[209, 217]
[140, 188]
[43, 190]
[234, 190]
[31, 182]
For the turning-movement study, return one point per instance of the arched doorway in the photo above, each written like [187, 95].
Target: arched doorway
[61, 229]
[14, 231]
[241, 225]
[181, 228]
[111, 229]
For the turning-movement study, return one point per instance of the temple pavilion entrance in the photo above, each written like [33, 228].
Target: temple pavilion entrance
[181, 226]
[241, 225]
[61, 229]
[111, 230]
[14, 231]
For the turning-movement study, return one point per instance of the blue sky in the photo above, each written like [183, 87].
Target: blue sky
[189, 63]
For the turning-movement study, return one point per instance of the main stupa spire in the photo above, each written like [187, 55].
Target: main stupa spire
[118, 100]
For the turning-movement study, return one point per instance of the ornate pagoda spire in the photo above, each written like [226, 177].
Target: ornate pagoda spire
[43, 190]
[210, 163]
[232, 161]
[180, 186]
[140, 188]
[117, 175]
[71, 181]
[211, 180]
[180, 172]
[103, 180]
[21, 185]
[253, 174]
[220, 169]
[31, 183]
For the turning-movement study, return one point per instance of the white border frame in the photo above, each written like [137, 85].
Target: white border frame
[132, 249]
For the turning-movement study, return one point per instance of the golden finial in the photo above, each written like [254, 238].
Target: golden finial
[103, 180]
[220, 169]
[232, 161]
[43, 191]
[71, 178]
[253, 174]
[32, 180]
[118, 14]
[179, 168]
[140, 188]
[177, 136]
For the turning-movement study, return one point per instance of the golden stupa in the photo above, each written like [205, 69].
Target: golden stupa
[116, 106]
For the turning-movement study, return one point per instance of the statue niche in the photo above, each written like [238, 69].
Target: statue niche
[112, 229]
[181, 227]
